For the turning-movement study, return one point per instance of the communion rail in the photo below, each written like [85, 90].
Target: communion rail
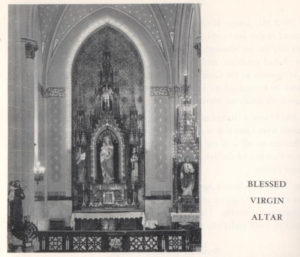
[124, 241]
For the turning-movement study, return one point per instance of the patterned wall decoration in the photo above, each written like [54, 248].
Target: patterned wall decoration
[75, 13]
[55, 117]
[47, 15]
[169, 12]
[160, 150]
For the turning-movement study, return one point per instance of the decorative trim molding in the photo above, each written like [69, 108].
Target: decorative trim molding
[52, 91]
[52, 196]
[158, 197]
[59, 198]
[166, 91]
[40, 198]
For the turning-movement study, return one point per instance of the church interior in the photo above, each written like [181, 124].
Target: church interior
[104, 128]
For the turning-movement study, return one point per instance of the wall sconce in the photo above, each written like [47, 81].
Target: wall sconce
[39, 172]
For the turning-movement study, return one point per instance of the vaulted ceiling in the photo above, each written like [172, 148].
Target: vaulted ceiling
[158, 20]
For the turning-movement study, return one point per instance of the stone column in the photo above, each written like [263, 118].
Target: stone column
[21, 103]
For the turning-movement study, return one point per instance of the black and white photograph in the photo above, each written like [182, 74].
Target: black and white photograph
[104, 128]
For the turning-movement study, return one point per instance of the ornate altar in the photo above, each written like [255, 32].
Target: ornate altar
[108, 142]
[186, 160]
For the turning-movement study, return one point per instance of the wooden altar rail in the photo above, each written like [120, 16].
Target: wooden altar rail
[115, 241]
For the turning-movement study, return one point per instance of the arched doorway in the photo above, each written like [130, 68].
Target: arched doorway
[107, 123]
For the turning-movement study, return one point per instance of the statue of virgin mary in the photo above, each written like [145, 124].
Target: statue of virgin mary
[187, 178]
[107, 160]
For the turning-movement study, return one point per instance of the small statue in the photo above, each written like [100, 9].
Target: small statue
[107, 160]
[134, 175]
[107, 98]
[21, 228]
[15, 197]
[187, 178]
[80, 161]
[134, 166]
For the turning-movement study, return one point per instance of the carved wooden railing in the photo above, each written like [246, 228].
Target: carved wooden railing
[122, 241]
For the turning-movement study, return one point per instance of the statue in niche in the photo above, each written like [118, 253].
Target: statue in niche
[107, 98]
[134, 166]
[187, 178]
[81, 171]
[107, 160]
[187, 118]
[106, 80]
[80, 161]
[96, 112]
[134, 175]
